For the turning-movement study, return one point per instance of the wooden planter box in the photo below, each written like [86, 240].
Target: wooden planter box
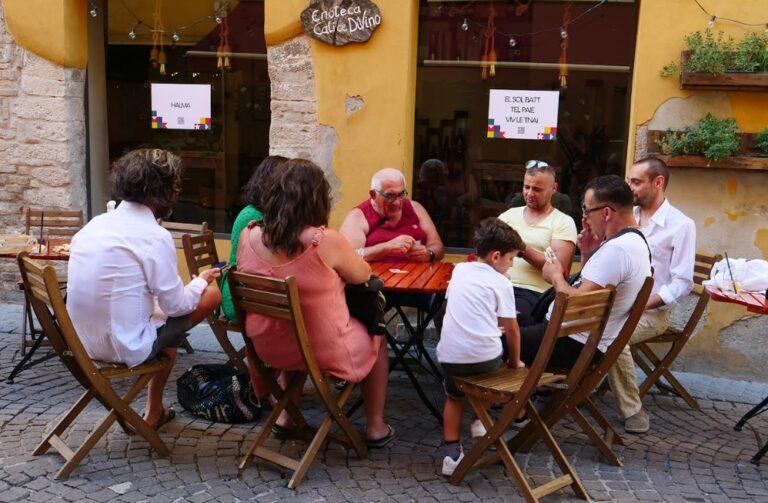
[698, 161]
[729, 81]
[745, 157]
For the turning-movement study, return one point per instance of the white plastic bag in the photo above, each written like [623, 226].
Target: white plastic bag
[749, 275]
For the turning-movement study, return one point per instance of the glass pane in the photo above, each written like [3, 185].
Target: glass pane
[482, 176]
[217, 161]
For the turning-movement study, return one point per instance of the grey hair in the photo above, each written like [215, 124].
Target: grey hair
[386, 174]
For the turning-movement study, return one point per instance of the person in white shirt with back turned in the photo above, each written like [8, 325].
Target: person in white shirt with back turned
[124, 293]
[672, 238]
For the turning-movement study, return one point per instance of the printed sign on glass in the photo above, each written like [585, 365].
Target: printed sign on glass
[522, 115]
[181, 106]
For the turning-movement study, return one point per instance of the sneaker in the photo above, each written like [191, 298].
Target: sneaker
[639, 423]
[520, 423]
[477, 429]
[450, 464]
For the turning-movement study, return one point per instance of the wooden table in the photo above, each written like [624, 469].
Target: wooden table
[755, 303]
[415, 277]
[38, 337]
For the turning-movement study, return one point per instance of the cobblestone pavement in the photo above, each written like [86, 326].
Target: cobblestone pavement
[687, 456]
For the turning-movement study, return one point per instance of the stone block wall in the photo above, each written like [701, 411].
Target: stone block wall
[42, 141]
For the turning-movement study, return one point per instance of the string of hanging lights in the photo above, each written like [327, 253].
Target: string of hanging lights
[714, 18]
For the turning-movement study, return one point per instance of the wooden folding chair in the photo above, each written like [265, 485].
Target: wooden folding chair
[587, 312]
[177, 230]
[95, 376]
[572, 399]
[656, 367]
[280, 299]
[57, 226]
[200, 254]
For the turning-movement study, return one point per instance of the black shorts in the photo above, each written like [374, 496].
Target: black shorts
[451, 370]
[171, 335]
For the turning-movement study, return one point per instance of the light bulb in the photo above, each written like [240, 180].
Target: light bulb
[711, 23]
[465, 25]
[132, 34]
[512, 42]
[93, 12]
[218, 19]
[175, 36]
[563, 33]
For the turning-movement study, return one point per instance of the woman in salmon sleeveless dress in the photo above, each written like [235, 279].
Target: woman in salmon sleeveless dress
[293, 241]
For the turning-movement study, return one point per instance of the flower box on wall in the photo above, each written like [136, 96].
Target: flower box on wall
[729, 81]
[746, 158]
[699, 161]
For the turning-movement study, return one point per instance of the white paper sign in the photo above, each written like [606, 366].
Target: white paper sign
[181, 106]
[522, 115]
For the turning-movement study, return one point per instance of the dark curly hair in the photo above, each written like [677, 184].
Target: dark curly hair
[493, 234]
[253, 190]
[148, 176]
[298, 196]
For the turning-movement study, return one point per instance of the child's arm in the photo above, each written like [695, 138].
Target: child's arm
[512, 334]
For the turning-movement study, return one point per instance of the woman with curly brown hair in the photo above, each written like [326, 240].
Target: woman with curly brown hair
[293, 240]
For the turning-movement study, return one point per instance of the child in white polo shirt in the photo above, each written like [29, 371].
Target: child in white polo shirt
[480, 300]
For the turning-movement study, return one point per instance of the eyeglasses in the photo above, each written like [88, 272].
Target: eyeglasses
[536, 164]
[586, 211]
[392, 197]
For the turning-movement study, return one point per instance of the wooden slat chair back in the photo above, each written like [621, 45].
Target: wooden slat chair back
[178, 230]
[280, 299]
[55, 224]
[656, 367]
[94, 376]
[58, 226]
[579, 313]
[569, 402]
[200, 254]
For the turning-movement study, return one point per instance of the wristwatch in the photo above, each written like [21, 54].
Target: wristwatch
[432, 256]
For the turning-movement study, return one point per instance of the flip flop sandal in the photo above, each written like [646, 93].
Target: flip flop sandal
[165, 418]
[381, 442]
[283, 432]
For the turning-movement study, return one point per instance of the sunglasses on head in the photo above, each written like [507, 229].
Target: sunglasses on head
[536, 164]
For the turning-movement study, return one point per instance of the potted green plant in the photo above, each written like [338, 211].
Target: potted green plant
[711, 143]
[718, 62]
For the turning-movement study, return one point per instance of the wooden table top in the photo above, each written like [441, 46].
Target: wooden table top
[755, 302]
[424, 277]
[39, 256]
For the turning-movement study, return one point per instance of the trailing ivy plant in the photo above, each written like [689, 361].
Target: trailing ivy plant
[762, 140]
[717, 54]
[713, 138]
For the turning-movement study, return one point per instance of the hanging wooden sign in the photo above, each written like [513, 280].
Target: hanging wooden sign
[338, 22]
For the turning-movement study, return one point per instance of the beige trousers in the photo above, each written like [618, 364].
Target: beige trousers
[622, 376]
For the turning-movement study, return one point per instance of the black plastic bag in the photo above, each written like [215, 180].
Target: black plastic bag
[218, 393]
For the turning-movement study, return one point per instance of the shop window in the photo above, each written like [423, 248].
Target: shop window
[219, 157]
[480, 176]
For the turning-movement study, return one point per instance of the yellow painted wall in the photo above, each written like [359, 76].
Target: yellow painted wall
[53, 29]
[382, 72]
[729, 206]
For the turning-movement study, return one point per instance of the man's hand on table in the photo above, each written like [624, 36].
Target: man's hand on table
[401, 244]
[419, 253]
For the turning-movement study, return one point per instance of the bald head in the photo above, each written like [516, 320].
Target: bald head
[386, 175]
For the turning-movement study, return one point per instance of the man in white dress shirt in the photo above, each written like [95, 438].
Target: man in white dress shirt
[124, 293]
[672, 238]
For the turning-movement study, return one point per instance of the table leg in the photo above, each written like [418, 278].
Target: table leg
[25, 362]
[754, 411]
